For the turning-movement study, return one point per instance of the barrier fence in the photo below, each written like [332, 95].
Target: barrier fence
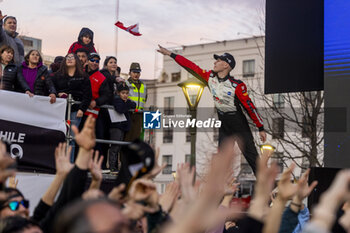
[69, 138]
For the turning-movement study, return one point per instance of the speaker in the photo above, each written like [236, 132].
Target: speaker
[325, 177]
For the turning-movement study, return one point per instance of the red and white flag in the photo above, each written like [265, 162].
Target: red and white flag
[133, 29]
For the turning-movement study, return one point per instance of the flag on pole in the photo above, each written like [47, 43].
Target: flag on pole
[133, 29]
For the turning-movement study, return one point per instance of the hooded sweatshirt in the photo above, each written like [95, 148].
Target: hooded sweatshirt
[79, 44]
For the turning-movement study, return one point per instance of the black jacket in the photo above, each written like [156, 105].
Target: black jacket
[43, 84]
[123, 107]
[10, 79]
[78, 86]
[111, 83]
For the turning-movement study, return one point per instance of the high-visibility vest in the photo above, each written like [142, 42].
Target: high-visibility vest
[137, 95]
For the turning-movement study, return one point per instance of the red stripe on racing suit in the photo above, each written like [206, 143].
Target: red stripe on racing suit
[244, 99]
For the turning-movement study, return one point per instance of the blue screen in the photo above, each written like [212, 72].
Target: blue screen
[337, 38]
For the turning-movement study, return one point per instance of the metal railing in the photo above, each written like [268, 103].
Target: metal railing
[69, 138]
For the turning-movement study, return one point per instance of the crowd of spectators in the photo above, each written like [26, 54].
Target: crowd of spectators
[77, 74]
[134, 205]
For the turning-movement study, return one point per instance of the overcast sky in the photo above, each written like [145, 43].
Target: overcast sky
[165, 22]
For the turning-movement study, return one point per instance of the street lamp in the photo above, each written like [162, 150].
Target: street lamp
[192, 89]
[267, 147]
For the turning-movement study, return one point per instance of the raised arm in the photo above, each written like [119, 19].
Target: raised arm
[188, 65]
[2, 32]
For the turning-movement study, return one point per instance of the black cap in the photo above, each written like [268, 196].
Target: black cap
[92, 55]
[139, 159]
[227, 58]
[122, 87]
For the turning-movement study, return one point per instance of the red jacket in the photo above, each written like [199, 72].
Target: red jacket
[76, 45]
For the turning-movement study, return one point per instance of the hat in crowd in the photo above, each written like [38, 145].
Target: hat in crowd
[135, 67]
[138, 161]
[122, 87]
[92, 55]
[227, 58]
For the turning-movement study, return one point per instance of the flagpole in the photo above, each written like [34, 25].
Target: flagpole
[116, 30]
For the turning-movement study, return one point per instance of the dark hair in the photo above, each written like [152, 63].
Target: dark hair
[122, 87]
[16, 224]
[8, 49]
[26, 58]
[9, 17]
[82, 50]
[12, 192]
[119, 69]
[78, 67]
[107, 60]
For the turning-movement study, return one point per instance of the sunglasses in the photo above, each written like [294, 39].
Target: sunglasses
[94, 60]
[14, 205]
[70, 57]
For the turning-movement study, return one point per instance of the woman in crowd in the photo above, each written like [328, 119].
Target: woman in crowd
[35, 74]
[109, 71]
[8, 71]
[71, 79]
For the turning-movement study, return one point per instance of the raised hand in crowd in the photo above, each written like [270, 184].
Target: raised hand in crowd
[286, 190]
[62, 159]
[2, 16]
[5, 162]
[185, 176]
[117, 193]
[63, 167]
[168, 198]
[304, 190]
[324, 214]
[86, 139]
[204, 213]
[13, 182]
[156, 168]
[96, 170]
[144, 191]
[344, 220]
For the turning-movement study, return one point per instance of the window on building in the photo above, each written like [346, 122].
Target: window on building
[278, 100]
[175, 77]
[169, 105]
[277, 128]
[167, 135]
[246, 169]
[27, 43]
[306, 130]
[187, 158]
[168, 159]
[249, 68]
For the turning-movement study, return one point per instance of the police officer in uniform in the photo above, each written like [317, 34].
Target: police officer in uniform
[138, 94]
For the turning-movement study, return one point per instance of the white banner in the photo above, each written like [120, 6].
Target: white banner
[34, 126]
